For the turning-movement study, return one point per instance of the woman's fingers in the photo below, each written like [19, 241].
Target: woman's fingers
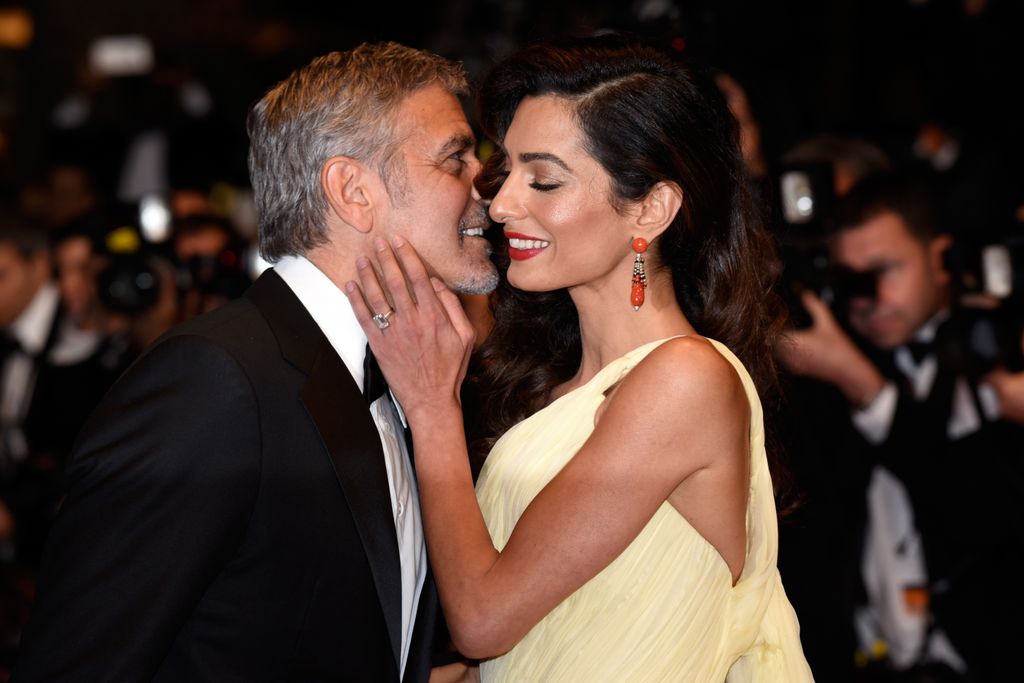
[402, 270]
[454, 311]
[394, 278]
[415, 271]
[372, 291]
[359, 307]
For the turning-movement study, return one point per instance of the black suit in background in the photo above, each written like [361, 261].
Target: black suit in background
[966, 494]
[228, 518]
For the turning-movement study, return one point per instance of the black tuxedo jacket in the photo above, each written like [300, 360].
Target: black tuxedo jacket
[965, 494]
[227, 518]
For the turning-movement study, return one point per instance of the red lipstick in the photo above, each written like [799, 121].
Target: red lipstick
[520, 254]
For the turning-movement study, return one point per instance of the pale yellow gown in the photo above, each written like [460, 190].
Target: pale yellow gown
[665, 609]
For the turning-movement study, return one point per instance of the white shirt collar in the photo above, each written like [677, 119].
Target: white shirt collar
[926, 333]
[329, 308]
[32, 327]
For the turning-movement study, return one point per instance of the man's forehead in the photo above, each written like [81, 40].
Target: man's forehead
[884, 234]
[435, 118]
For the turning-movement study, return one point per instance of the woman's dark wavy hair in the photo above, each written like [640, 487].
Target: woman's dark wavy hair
[645, 118]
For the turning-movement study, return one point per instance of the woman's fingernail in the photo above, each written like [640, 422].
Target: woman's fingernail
[362, 262]
[397, 241]
[379, 244]
[350, 286]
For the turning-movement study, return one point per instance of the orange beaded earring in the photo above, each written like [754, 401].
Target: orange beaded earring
[636, 293]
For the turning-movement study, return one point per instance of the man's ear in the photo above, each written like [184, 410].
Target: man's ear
[937, 249]
[349, 187]
[658, 209]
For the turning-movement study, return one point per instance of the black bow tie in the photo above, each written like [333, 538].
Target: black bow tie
[8, 344]
[374, 384]
[920, 350]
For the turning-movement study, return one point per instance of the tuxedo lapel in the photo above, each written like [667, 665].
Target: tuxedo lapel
[342, 418]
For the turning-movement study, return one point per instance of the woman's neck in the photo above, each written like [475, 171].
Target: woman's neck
[610, 328]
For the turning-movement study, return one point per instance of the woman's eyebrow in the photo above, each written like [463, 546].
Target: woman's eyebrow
[527, 157]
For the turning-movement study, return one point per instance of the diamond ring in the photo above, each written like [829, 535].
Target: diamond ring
[382, 319]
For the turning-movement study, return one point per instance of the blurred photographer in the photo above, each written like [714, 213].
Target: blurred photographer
[137, 292]
[211, 261]
[50, 380]
[813, 176]
[939, 529]
[819, 539]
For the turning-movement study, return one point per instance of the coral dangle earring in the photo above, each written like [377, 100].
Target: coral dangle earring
[636, 292]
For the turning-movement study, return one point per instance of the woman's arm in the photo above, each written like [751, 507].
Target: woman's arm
[680, 411]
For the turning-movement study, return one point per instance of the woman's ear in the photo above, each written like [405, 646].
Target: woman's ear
[658, 209]
[349, 187]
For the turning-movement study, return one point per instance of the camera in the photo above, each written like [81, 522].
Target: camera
[988, 289]
[211, 259]
[994, 270]
[130, 284]
[805, 198]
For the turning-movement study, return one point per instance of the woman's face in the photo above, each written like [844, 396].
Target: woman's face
[555, 205]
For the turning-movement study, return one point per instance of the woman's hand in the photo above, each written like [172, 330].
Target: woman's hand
[459, 672]
[425, 345]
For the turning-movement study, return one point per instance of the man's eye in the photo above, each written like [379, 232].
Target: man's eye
[462, 159]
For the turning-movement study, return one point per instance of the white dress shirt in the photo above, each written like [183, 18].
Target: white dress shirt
[17, 375]
[330, 309]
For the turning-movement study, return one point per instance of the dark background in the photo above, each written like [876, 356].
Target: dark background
[883, 70]
[877, 68]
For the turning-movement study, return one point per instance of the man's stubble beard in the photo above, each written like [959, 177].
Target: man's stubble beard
[484, 279]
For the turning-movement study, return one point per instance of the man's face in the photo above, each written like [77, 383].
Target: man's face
[433, 202]
[20, 279]
[76, 275]
[912, 285]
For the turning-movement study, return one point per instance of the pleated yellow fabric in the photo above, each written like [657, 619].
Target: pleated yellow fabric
[665, 609]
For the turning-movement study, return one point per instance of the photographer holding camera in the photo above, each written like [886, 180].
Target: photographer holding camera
[940, 527]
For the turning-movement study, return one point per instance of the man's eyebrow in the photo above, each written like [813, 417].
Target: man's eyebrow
[527, 157]
[457, 142]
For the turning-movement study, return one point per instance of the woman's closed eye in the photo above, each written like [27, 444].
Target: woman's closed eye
[544, 187]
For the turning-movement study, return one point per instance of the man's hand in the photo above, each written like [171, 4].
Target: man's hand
[826, 353]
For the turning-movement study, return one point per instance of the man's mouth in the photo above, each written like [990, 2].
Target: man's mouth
[472, 232]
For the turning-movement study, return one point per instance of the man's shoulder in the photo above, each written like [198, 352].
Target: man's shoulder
[234, 335]
[231, 320]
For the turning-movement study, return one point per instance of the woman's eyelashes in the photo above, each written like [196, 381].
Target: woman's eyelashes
[536, 183]
[544, 187]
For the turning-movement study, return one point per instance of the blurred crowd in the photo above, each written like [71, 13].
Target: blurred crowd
[901, 415]
[125, 234]
[902, 261]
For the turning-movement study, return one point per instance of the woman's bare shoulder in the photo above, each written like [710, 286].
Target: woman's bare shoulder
[688, 368]
[683, 406]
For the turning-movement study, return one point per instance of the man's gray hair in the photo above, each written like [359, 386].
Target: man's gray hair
[340, 104]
